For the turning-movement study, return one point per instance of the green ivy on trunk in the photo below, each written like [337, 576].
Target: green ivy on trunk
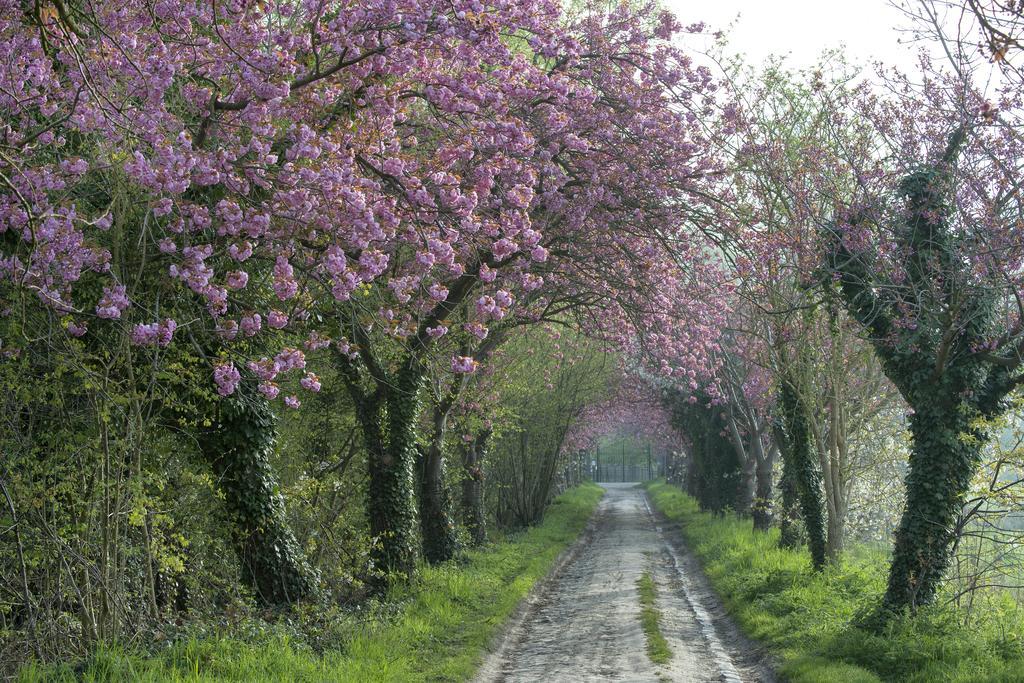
[798, 456]
[932, 329]
[238, 448]
[473, 514]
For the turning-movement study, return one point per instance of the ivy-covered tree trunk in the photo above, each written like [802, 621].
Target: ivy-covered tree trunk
[387, 406]
[437, 523]
[473, 514]
[945, 453]
[387, 419]
[942, 337]
[238, 448]
[805, 476]
[790, 528]
[693, 472]
[391, 505]
[437, 513]
[713, 474]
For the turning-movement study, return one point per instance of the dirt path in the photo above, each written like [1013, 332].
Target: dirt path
[584, 625]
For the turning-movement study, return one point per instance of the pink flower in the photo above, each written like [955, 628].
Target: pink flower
[159, 333]
[269, 389]
[476, 329]
[437, 332]
[237, 279]
[251, 324]
[227, 329]
[463, 364]
[315, 342]
[264, 369]
[76, 167]
[438, 292]
[285, 285]
[292, 402]
[241, 251]
[290, 359]
[310, 382]
[277, 319]
[112, 303]
[227, 377]
[503, 248]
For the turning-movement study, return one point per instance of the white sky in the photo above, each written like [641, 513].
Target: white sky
[804, 28]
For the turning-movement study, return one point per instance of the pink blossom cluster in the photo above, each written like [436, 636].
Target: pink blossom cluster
[399, 150]
[158, 333]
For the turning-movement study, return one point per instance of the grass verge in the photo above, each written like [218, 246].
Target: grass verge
[650, 620]
[807, 618]
[446, 619]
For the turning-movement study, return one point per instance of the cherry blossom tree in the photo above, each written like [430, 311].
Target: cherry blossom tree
[574, 183]
[206, 178]
[911, 197]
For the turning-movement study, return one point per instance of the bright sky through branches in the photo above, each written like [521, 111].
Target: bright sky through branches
[803, 29]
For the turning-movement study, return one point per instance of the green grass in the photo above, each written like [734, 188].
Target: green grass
[650, 620]
[448, 617]
[808, 619]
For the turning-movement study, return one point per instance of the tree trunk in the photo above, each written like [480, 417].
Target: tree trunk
[391, 490]
[748, 487]
[238, 449]
[762, 510]
[692, 473]
[789, 524]
[831, 445]
[835, 482]
[942, 461]
[437, 518]
[387, 419]
[473, 489]
[748, 468]
[437, 524]
[806, 478]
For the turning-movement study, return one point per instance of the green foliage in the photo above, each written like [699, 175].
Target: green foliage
[809, 619]
[238, 447]
[442, 624]
[322, 466]
[713, 471]
[556, 377]
[650, 620]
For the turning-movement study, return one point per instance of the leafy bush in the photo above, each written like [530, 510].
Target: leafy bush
[436, 628]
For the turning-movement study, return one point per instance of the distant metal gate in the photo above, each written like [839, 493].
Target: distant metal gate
[613, 473]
